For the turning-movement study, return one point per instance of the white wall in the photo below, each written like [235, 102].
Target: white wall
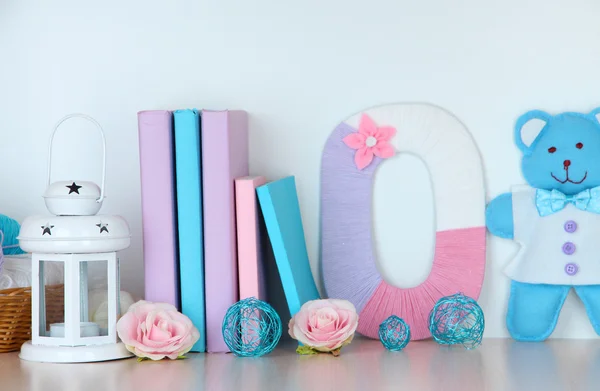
[298, 68]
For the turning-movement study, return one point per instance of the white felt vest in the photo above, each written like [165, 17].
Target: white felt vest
[542, 258]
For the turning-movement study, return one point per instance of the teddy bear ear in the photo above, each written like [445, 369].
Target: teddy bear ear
[596, 114]
[529, 126]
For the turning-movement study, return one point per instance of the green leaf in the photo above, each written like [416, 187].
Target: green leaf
[182, 357]
[305, 350]
[140, 359]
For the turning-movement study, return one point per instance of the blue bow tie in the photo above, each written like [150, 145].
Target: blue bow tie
[548, 202]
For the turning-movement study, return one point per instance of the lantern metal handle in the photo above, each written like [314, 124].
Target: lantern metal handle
[84, 116]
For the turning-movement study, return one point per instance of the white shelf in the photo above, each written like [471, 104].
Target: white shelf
[498, 364]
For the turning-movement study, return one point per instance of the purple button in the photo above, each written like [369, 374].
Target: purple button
[568, 248]
[571, 269]
[570, 226]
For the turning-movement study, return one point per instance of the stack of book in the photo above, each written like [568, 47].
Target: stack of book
[202, 216]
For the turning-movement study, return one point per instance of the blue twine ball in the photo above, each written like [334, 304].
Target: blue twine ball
[10, 228]
[457, 319]
[251, 328]
[394, 333]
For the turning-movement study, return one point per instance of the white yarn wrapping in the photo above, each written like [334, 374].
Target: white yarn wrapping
[16, 272]
[98, 309]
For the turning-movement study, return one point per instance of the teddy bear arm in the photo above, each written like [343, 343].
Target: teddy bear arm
[499, 216]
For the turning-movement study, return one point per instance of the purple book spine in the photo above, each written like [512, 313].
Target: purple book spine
[224, 158]
[158, 206]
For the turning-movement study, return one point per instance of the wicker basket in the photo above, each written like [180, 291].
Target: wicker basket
[15, 314]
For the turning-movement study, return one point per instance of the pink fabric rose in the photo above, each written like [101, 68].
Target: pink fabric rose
[156, 330]
[324, 325]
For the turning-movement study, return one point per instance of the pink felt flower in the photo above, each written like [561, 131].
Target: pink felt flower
[156, 330]
[369, 141]
[324, 325]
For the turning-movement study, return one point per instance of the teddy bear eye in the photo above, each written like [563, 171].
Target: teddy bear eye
[553, 149]
[579, 145]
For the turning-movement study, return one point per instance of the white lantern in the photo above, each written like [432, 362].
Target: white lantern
[83, 245]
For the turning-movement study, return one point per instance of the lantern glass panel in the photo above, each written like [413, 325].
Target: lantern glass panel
[93, 284]
[52, 298]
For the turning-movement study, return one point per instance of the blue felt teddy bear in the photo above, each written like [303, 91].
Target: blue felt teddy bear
[556, 220]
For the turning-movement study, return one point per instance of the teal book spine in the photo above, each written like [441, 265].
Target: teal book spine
[281, 211]
[189, 217]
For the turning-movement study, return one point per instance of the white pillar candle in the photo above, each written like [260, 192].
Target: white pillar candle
[88, 329]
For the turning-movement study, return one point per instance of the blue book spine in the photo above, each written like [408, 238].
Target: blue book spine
[281, 211]
[189, 216]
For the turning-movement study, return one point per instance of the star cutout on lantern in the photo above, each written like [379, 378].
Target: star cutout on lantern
[102, 227]
[46, 229]
[73, 188]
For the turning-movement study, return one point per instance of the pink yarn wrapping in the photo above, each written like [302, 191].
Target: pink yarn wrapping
[458, 266]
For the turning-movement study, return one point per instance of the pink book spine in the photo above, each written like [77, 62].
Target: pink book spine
[224, 158]
[248, 238]
[158, 206]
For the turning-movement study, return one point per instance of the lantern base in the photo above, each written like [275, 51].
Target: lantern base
[68, 354]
